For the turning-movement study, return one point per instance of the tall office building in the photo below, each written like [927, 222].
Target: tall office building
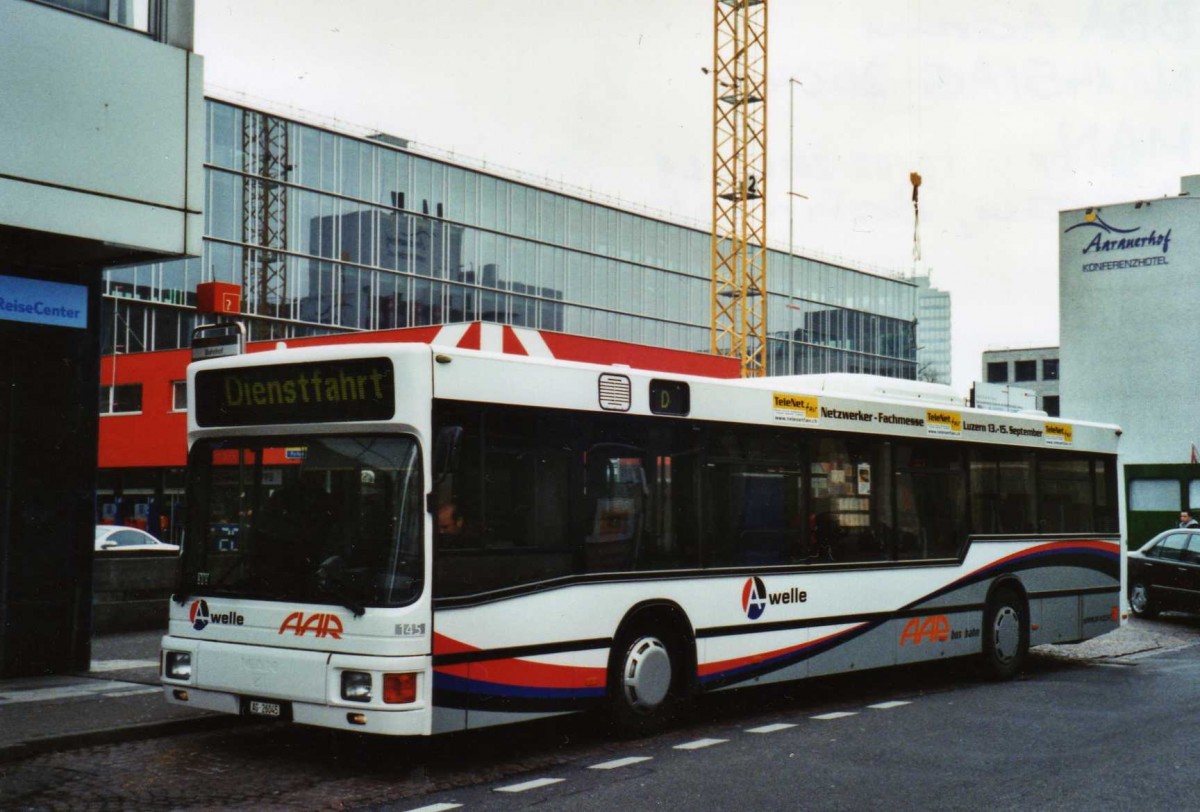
[933, 332]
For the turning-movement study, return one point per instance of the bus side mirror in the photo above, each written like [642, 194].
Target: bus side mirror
[446, 448]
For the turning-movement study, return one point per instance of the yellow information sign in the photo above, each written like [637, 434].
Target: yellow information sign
[1060, 434]
[943, 421]
[796, 408]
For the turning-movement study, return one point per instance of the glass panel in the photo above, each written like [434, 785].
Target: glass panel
[503, 514]
[350, 184]
[931, 503]
[456, 194]
[329, 167]
[1172, 547]
[1154, 494]
[487, 202]
[224, 137]
[1002, 492]
[384, 181]
[339, 524]
[1065, 496]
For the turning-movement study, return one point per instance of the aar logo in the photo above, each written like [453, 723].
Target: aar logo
[934, 629]
[321, 624]
[198, 615]
[754, 598]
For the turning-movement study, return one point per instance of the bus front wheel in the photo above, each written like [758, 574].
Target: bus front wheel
[643, 682]
[1005, 635]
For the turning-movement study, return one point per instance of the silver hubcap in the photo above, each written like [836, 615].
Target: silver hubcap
[646, 678]
[1137, 598]
[1006, 633]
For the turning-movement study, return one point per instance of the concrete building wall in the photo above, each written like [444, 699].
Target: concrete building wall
[1034, 368]
[101, 150]
[1129, 287]
[103, 138]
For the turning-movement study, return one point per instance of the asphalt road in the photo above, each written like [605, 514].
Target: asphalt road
[1076, 731]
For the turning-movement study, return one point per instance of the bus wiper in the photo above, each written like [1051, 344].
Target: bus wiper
[331, 579]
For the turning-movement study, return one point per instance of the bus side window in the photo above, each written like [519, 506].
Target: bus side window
[615, 491]
[931, 500]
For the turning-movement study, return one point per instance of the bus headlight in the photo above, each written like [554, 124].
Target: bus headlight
[178, 665]
[356, 686]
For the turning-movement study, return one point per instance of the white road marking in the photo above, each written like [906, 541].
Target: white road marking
[775, 728]
[536, 783]
[700, 743]
[620, 762]
[835, 715]
[99, 666]
[888, 705]
[437, 808]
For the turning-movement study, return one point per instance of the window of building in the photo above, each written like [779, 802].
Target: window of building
[179, 395]
[1050, 369]
[1154, 494]
[129, 13]
[1025, 370]
[1050, 405]
[997, 372]
[121, 399]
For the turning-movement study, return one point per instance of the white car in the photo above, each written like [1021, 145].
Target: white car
[129, 539]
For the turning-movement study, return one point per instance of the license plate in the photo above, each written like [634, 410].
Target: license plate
[273, 709]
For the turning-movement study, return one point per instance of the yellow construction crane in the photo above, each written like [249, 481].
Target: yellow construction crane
[739, 235]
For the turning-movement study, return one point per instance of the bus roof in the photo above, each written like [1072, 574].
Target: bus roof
[842, 402]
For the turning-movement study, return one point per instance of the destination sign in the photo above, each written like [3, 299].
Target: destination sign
[326, 391]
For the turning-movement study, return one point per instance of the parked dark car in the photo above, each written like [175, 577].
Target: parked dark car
[1165, 573]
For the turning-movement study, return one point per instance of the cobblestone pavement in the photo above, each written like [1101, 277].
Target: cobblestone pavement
[1136, 638]
[263, 766]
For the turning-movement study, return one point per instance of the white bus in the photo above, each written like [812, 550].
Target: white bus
[406, 539]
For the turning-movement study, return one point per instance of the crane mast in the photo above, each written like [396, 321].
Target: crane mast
[265, 168]
[739, 234]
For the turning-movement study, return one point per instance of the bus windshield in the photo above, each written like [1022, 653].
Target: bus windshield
[329, 519]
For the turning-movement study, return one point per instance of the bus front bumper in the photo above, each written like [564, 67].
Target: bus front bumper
[307, 687]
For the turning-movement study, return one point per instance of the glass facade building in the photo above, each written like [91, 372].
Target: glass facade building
[933, 332]
[328, 232]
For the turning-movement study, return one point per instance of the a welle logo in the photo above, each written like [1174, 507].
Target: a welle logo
[756, 598]
[201, 617]
[1110, 238]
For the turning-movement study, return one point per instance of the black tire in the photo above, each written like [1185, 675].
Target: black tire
[1139, 600]
[1005, 635]
[645, 680]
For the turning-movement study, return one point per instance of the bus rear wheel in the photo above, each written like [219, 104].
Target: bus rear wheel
[1005, 635]
[643, 681]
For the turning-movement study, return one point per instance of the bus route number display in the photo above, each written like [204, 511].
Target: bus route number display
[319, 392]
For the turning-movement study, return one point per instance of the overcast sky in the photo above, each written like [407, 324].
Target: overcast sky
[1011, 111]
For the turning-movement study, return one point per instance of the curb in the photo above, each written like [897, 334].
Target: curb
[116, 735]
